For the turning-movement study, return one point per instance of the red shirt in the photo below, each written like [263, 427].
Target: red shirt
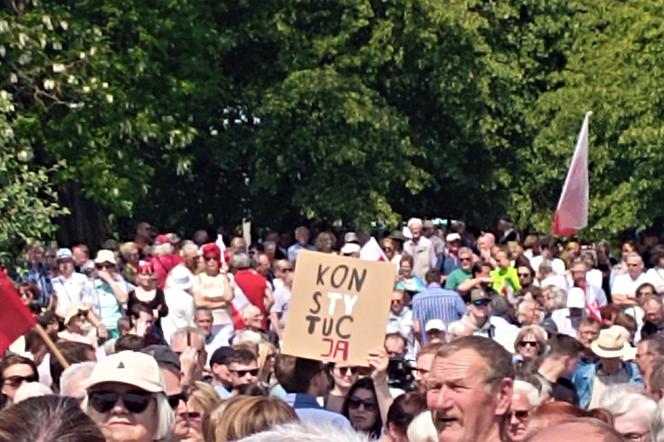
[253, 285]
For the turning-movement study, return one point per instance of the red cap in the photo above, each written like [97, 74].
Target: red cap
[211, 249]
[162, 239]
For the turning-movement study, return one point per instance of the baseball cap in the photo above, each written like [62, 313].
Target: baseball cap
[164, 356]
[63, 254]
[351, 237]
[73, 310]
[105, 255]
[221, 356]
[453, 237]
[435, 324]
[576, 298]
[350, 248]
[479, 295]
[131, 368]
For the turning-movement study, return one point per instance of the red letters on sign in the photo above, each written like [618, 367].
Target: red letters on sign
[336, 347]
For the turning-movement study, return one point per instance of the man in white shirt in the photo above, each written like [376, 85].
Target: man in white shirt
[567, 319]
[401, 320]
[624, 286]
[420, 248]
[70, 287]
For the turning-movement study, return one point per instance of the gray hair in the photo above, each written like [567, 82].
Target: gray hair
[241, 261]
[82, 369]
[626, 399]
[414, 222]
[559, 296]
[312, 432]
[529, 390]
[204, 310]
[188, 248]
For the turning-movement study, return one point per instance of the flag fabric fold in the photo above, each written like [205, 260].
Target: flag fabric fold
[572, 211]
[15, 318]
[371, 251]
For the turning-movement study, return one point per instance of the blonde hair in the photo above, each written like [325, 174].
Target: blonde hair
[265, 349]
[203, 397]
[243, 416]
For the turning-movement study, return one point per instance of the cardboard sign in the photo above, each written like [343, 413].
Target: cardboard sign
[339, 307]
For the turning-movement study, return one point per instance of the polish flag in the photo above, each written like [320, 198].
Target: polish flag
[572, 211]
[371, 251]
[15, 317]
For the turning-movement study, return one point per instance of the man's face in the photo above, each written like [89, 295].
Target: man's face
[578, 272]
[610, 365]
[66, 266]
[644, 358]
[243, 373]
[145, 321]
[453, 246]
[173, 388]
[634, 266]
[395, 346]
[80, 255]
[463, 407]
[222, 374]
[466, 261]
[525, 278]
[144, 230]
[587, 334]
[204, 323]
[191, 260]
[518, 417]
[397, 303]
[652, 312]
[479, 310]
[263, 265]
[303, 236]
[416, 231]
[422, 370]
[502, 260]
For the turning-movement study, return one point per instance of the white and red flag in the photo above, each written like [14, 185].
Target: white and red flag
[371, 251]
[572, 211]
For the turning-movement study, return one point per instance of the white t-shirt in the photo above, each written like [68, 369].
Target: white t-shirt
[70, 291]
[656, 278]
[282, 297]
[625, 285]
[180, 311]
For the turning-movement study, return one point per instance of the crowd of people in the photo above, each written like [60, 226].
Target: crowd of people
[490, 337]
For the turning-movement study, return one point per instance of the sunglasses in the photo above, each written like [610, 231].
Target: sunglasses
[528, 344]
[347, 370]
[243, 373]
[465, 259]
[519, 414]
[15, 381]
[354, 404]
[174, 399]
[481, 302]
[135, 401]
[524, 275]
[210, 258]
[104, 266]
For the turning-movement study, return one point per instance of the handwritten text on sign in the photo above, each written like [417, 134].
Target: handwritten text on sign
[339, 307]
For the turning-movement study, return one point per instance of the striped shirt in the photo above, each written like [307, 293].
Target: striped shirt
[437, 303]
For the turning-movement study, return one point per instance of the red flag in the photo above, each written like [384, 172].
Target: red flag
[15, 317]
[572, 211]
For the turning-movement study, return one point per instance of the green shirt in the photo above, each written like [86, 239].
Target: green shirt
[505, 280]
[456, 277]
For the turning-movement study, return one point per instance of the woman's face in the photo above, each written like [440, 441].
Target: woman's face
[388, 248]
[406, 269]
[26, 295]
[344, 376]
[528, 347]
[118, 422]
[211, 265]
[362, 409]
[145, 281]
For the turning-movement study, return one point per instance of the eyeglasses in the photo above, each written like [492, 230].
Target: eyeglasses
[354, 404]
[347, 370]
[135, 401]
[15, 381]
[174, 399]
[528, 344]
[519, 414]
[465, 259]
[481, 303]
[104, 266]
[524, 275]
[243, 373]
[210, 258]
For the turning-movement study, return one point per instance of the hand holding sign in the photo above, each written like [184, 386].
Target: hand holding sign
[339, 307]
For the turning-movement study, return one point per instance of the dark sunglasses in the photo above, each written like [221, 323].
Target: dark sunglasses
[15, 381]
[481, 302]
[174, 399]
[104, 266]
[465, 259]
[354, 404]
[210, 258]
[519, 414]
[134, 401]
[528, 344]
[346, 370]
[524, 275]
[243, 373]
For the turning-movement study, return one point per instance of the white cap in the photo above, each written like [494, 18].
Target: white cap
[31, 389]
[105, 256]
[129, 367]
[75, 309]
[576, 298]
[435, 324]
[350, 248]
[180, 278]
[452, 237]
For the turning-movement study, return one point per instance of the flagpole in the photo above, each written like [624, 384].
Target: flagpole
[51, 345]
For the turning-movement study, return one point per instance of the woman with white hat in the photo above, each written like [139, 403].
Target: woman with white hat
[126, 398]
